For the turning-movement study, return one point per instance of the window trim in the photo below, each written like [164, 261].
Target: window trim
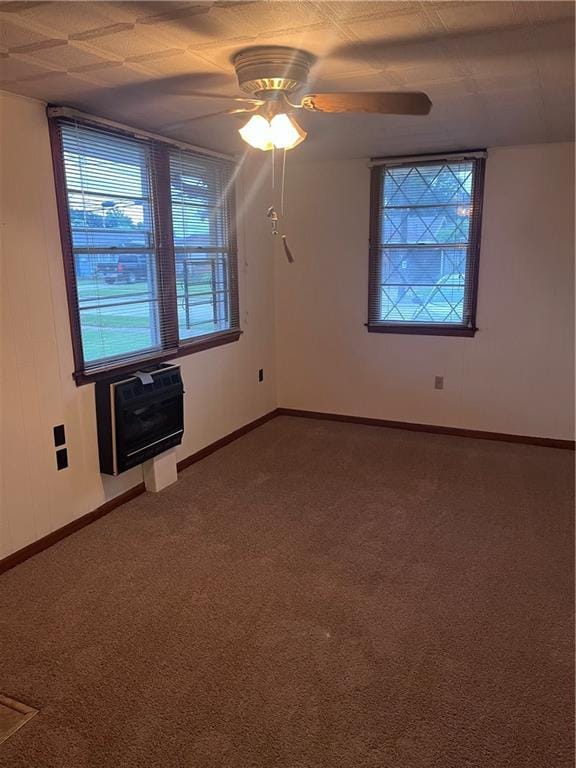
[377, 169]
[165, 250]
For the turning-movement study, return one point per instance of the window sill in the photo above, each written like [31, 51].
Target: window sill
[421, 330]
[186, 348]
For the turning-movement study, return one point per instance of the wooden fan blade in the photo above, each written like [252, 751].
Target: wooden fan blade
[385, 103]
[239, 111]
[224, 96]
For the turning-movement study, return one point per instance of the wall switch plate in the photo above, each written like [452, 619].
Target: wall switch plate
[261, 374]
[62, 458]
[439, 382]
[59, 435]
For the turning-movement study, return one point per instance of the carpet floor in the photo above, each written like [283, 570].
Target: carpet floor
[314, 595]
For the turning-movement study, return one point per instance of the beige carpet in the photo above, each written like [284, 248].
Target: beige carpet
[315, 595]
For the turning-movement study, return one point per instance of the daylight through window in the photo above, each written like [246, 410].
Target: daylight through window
[425, 224]
[149, 247]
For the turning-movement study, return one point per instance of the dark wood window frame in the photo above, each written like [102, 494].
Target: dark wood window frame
[171, 346]
[468, 328]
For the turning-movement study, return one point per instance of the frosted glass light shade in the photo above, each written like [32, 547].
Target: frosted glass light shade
[257, 133]
[286, 133]
[281, 132]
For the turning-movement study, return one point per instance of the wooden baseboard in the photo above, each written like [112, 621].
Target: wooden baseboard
[549, 442]
[47, 541]
[60, 533]
[51, 538]
[215, 446]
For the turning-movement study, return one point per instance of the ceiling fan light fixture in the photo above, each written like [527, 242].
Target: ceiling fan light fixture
[257, 132]
[285, 131]
[282, 132]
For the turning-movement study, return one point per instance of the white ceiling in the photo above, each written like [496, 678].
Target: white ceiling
[498, 73]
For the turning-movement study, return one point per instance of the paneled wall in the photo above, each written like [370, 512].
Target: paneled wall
[37, 390]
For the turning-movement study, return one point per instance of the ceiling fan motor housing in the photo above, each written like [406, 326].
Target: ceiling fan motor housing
[265, 69]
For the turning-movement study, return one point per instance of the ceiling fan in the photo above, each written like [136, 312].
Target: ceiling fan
[271, 75]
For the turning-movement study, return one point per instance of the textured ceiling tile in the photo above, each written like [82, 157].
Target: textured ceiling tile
[317, 40]
[64, 18]
[443, 90]
[403, 56]
[509, 99]
[521, 119]
[256, 18]
[455, 109]
[112, 76]
[58, 88]
[103, 31]
[97, 66]
[135, 10]
[14, 35]
[516, 66]
[159, 55]
[328, 67]
[407, 26]
[506, 51]
[549, 11]
[346, 11]
[127, 43]
[194, 27]
[67, 57]
[561, 113]
[155, 12]
[490, 81]
[360, 80]
[197, 23]
[467, 17]
[557, 69]
[12, 69]
[549, 39]
[193, 31]
[174, 63]
[505, 82]
[433, 71]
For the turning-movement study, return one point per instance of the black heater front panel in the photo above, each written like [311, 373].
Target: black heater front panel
[139, 417]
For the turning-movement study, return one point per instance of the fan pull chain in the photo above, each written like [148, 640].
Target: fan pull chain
[283, 182]
[271, 212]
[287, 250]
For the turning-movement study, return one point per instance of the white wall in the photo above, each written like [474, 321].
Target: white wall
[514, 376]
[37, 390]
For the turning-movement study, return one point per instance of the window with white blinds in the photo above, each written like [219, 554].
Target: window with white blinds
[424, 245]
[149, 248]
[205, 274]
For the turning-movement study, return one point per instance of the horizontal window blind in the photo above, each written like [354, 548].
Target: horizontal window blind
[204, 244]
[149, 248]
[424, 245]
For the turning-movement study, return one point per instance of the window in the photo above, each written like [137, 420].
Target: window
[201, 233]
[148, 243]
[424, 245]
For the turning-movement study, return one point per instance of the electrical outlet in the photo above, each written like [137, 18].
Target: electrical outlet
[261, 374]
[439, 382]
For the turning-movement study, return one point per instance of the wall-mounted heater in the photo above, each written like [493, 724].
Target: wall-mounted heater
[138, 417]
